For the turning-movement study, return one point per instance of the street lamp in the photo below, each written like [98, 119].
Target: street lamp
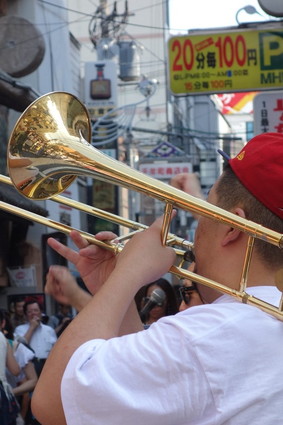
[248, 9]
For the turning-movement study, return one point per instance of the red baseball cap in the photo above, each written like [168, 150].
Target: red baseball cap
[259, 167]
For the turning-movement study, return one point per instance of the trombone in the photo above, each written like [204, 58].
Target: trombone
[50, 146]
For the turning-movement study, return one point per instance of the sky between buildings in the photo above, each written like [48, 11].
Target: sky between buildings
[192, 14]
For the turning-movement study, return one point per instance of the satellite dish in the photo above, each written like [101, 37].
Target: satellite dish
[272, 7]
[22, 46]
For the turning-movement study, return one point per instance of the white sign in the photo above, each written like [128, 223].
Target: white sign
[268, 112]
[100, 87]
[22, 277]
[164, 170]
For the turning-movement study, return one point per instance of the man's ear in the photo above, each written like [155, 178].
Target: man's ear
[232, 234]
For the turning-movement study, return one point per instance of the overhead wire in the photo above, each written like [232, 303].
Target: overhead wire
[129, 23]
[60, 26]
[91, 16]
[151, 6]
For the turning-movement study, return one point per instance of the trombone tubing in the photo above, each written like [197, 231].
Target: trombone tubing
[121, 174]
[177, 271]
[28, 215]
[113, 218]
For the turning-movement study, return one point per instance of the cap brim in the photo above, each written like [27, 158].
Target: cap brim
[224, 154]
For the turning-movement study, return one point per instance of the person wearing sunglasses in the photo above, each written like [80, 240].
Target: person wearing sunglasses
[188, 292]
[189, 296]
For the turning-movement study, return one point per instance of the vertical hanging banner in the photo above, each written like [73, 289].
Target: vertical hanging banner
[223, 62]
[268, 112]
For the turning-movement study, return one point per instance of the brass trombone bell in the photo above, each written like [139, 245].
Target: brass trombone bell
[35, 158]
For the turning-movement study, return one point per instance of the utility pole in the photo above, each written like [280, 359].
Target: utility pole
[104, 22]
[105, 29]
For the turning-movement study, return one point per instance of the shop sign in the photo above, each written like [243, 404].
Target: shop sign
[268, 112]
[224, 62]
[165, 170]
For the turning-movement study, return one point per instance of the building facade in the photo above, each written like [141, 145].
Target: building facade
[38, 36]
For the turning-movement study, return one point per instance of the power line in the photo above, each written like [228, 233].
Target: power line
[149, 7]
[128, 23]
[207, 135]
[109, 19]
[65, 8]
[60, 26]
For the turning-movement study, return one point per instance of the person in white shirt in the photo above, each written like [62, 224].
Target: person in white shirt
[218, 363]
[38, 336]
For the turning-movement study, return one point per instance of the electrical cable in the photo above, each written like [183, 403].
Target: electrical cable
[132, 24]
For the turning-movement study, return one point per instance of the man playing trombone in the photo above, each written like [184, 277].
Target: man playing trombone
[217, 363]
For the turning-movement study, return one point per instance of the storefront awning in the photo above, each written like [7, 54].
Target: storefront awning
[11, 196]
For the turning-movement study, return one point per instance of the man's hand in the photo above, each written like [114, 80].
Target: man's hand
[144, 259]
[34, 322]
[63, 287]
[187, 182]
[190, 184]
[92, 262]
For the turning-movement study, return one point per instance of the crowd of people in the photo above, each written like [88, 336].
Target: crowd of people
[26, 341]
[218, 360]
[25, 345]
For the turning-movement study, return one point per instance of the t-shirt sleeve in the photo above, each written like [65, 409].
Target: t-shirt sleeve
[53, 336]
[19, 331]
[135, 379]
[23, 355]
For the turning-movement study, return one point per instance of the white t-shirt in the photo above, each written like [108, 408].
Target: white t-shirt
[3, 356]
[3, 360]
[214, 364]
[23, 356]
[42, 340]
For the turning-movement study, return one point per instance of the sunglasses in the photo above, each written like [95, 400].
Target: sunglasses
[186, 293]
[189, 256]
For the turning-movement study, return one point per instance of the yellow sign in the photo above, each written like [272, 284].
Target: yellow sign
[226, 62]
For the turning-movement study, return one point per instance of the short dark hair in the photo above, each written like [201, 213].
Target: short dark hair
[32, 301]
[9, 330]
[19, 299]
[230, 192]
[172, 303]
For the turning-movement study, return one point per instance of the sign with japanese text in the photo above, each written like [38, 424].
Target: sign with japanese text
[239, 60]
[268, 112]
[165, 170]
